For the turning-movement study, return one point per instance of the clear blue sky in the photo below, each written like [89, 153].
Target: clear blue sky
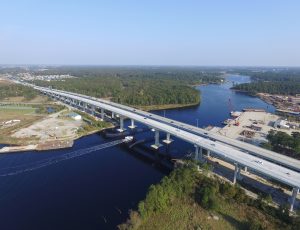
[150, 32]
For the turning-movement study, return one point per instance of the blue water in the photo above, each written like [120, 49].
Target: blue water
[95, 191]
[214, 107]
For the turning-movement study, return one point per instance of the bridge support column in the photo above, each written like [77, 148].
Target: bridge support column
[132, 126]
[168, 139]
[236, 170]
[156, 144]
[200, 154]
[121, 129]
[112, 115]
[208, 153]
[93, 110]
[239, 175]
[245, 169]
[196, 152]
[293, 198]
[78, 104]
[102, 115]
[82, 106]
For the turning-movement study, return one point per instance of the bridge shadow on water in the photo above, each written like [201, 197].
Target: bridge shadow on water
[140, 148]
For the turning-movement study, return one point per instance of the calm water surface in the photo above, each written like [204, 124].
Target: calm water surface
[95, 191]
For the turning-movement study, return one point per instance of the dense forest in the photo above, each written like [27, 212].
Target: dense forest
[284, 143]
[135, 86]
[185, 199]
[286, 82]
[14, 90]
[274, 87]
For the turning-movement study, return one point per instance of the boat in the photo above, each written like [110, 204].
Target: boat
[235, 113]
[128, 139]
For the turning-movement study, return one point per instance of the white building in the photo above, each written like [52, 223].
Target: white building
[75, 116]
[282, 124]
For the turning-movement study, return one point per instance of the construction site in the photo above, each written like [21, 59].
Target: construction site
[253, 126]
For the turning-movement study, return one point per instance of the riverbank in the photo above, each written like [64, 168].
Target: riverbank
[169, 106]
[285, 104]
[48, 145]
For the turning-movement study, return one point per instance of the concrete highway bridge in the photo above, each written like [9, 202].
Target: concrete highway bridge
[243, 155]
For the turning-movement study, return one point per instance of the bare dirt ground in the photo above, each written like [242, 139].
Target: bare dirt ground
[53, 127]
[263, 120]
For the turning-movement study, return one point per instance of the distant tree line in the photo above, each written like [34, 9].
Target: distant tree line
[286, 82]
[15, 90]
[140, 87]
[284, 88]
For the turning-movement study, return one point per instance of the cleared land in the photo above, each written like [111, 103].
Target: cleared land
[52, 127]
[249, 121]
[26, 115]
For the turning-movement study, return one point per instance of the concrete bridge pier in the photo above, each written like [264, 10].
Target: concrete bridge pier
[293, 198]
[77, 104]
[121, 129]
[112, 115]
[83, 106]
[200, 154]
[132, 126]
[208, 153]
[102, 115]
[196, 152]
[168, 139]
[236, 172]
[93, 109]
[245, 169]
[156, 144]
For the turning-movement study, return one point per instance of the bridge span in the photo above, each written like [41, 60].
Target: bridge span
[242, 155]
[244, 146]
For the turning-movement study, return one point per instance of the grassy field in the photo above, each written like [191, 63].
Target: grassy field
[26, 115]
[16, 112]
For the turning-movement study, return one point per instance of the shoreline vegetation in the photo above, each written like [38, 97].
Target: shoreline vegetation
[192, 198]
[167, 106]
[148, 88]
[284, 82]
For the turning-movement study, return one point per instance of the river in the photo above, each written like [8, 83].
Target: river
[96, 190]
